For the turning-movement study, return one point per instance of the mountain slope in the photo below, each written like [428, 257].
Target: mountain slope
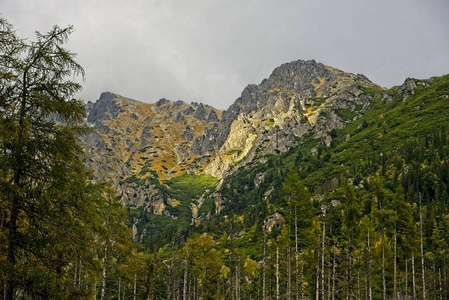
[298, 98]
[393, 120]
[313, 181]
[305, 116]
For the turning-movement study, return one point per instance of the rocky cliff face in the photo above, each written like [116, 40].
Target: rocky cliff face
[139, 145]
[135, 144]
[301, 97]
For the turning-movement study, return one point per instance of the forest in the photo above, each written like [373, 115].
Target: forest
[365, 218]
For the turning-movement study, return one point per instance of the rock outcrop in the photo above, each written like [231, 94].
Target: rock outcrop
[301, 97]
[134, 144]
[141, 141]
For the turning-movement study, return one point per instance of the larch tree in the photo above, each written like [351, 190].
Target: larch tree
[46, 195]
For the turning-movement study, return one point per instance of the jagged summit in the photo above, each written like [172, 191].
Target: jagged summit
[145, 140]
[108, 96]
[297, 98]
[133, 140]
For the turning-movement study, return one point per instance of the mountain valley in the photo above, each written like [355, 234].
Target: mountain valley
[312, 156]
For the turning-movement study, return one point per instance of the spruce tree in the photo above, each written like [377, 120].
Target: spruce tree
[50, 206]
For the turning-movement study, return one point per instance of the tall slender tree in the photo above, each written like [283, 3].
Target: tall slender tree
[49, 204]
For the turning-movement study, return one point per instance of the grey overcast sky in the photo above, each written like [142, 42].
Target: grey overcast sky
[209, 50]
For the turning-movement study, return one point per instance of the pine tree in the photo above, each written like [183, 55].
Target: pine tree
[49, 203]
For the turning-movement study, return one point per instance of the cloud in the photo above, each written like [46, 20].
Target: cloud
[208, 51]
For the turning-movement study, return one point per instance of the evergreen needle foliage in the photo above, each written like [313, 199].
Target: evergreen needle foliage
[53, 224]
[363, 218]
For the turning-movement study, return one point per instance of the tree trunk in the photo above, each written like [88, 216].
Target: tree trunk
[12, 249]
[194, 289]
[277, 274]
[359, 291]
[237, 281]
[264, 265]
[333, 272]
[384, 282]
[348, 269]
[302, 279]
[318, 273]
[75, 276]
[322, 263]
[289, 271]
[184, 290]
[434, 287]
[296, 255]
[395, 291]
[444, 278]
[329, 278]
[230, 263]
[105, 271]
[94, 289]
[17, 180]
[413, 277]
[406, 278]
[80, 273]
[423, 273]
[119, 287]
[288, 291]
[370, 293]
[135, 286]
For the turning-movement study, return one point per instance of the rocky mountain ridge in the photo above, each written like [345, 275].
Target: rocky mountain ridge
[132, 140]
[138, 146]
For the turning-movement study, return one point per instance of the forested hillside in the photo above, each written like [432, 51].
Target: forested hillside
[314, 184]
[364, 218]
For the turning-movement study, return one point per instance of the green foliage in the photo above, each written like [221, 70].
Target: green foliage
[270, 122]
[204, 258]
[348, 219]
[234, 151]
[346, 114]
[53, 219]
[187, 187]
[317, 101]
[153, 230]
[363, 190]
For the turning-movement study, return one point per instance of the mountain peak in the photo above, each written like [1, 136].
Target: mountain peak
[168, 138]
[109, 96]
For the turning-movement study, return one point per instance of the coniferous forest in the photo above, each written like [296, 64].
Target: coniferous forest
[366, 217]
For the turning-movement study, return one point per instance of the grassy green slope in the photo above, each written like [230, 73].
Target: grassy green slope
[387, 126]
[155, 230]
[383, 129]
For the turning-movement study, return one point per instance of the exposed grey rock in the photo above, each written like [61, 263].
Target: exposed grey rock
[275, 219]
[387, 98]
[298, 98]
[207, 143]
[105, 108]
[363, 77]
[147, 134]
[180, 117]
[258, 179]
[189, 111]
[187, 134]
[200, 112]
[407, 88]
[162, 102]
[212, 117]
[178, 104]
